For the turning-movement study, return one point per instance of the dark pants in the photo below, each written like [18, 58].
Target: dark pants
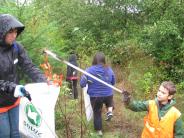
[97, 104]
[73, 87]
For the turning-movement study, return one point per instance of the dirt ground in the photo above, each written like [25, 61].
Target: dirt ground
[124, 124]
[121, 125]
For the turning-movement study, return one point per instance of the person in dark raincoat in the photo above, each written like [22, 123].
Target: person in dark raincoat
[71, 75]
[12, 57]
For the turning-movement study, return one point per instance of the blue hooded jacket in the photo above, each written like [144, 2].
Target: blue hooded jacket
[95, 88]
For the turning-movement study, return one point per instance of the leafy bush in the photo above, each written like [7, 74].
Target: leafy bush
[163, 42]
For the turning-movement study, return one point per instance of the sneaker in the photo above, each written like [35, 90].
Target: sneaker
[109, 116]
[99, 132]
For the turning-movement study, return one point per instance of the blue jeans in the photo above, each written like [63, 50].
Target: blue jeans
[9, 123]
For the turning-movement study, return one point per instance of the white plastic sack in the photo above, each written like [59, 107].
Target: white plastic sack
[87, 103]
[36, 119]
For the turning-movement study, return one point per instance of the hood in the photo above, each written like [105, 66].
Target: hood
[168, 105]
[8, 22]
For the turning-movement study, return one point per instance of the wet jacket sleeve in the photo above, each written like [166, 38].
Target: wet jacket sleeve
[83, 81]
[178, 129]
[29, 68]
[7, 86]
[138, 106]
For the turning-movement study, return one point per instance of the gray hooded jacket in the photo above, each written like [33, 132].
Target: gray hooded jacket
[13, 57]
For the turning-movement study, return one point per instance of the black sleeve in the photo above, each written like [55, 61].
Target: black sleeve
[7, 86]
[69, 71]
[28, 67]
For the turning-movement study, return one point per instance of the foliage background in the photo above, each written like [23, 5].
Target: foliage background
[143, 40]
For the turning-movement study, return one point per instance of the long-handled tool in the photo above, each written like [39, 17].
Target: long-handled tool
[79, 69]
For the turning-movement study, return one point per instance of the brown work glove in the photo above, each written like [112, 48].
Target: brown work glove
[126, 96]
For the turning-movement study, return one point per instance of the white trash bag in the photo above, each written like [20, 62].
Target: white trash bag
[36, 118]
[87, 103]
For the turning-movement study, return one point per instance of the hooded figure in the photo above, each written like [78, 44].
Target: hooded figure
[12, 57]
[71, 76]
[8, 22]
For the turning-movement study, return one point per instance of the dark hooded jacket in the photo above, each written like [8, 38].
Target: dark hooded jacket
[71, 72]
[13, 57]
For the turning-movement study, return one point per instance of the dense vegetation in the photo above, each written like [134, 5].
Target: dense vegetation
[144, 40]
[124, 30]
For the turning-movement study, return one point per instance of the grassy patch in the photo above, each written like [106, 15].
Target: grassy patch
[71, 122]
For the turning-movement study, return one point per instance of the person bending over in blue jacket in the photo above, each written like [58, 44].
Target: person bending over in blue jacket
[99, 93]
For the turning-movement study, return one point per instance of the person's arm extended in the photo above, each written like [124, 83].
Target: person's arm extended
[178, 128]
[136, 106]
[29, 68]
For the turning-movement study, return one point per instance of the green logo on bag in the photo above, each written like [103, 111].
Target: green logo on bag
[33, 115]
